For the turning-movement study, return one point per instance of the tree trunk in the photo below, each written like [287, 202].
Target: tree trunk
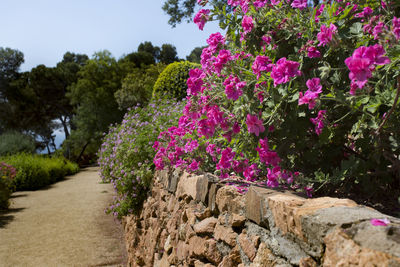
[82, 151]
[65, 126]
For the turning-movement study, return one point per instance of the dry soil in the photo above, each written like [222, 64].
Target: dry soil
[62, 225]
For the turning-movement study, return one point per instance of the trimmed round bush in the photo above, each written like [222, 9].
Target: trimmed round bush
[172, 81]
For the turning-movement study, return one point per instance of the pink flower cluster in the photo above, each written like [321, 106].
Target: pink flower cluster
[300, 4]
[261, 64]
[195, 81]
[254, 125]
[309, 97]
[201, 18]
[325, 35]
[319, 121]
[233, 87]
[362, 63]
[396, 27]
[283, 70]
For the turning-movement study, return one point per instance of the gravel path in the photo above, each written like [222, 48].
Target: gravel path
[62, 225]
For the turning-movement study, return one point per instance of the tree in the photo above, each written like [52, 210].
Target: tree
[138, 59]
[149, 48]
[10, 62]
[96, 108]
[195, 55]
[67, 70]
[180, 10]
[168, 54]
[137, 86]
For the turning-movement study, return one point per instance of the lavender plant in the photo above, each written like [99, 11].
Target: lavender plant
[126, 155]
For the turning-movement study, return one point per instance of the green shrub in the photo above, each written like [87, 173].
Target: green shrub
[14, 142]
[37, 171]
[172, 81]
[126, 155]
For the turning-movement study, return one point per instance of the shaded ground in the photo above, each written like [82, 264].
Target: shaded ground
[62, 225]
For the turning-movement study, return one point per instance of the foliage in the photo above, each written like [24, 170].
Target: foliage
[183, 10]
[7, 174]
[168, 54]
[172, 81]
[125, 157]
[93, 95]
[194, 56]
[37, 171]
[137, 86]
[14, 142]
[296, 96]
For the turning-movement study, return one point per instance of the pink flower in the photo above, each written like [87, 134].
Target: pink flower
[215, 41]
[267, 156]
[195, 81]
[308, 98]
[194, 165]
[314, 85]
[254, 125]
[326, 34]
[259, 3]
[223, 57]
[365, 13]
[300, 4]
[201, 18]
[226, 160]
[313, 52]
[251, 172]
[273, 176]
[361, 63]
[247, 24]
[378, 30]
[233, 87]
[396, 27]
[380, 222]
[284, 70]
[319, 122]
[261, 63]
[319, 12]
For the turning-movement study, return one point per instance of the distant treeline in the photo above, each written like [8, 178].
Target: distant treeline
[81, 95]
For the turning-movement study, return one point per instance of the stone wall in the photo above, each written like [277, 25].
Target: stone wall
[194, 220]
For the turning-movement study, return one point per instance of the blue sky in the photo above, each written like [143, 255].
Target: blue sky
[45, 29]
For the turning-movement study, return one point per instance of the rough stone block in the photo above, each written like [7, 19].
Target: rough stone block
[255, 200]
[342, 250]
[229, 199]
[202, 185]
[265, 258]
[317, 225]
[247, 246]
[212, 193]
[194, 186]
[206, 226]
[225, 234]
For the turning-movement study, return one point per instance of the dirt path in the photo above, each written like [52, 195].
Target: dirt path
[63, 225]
